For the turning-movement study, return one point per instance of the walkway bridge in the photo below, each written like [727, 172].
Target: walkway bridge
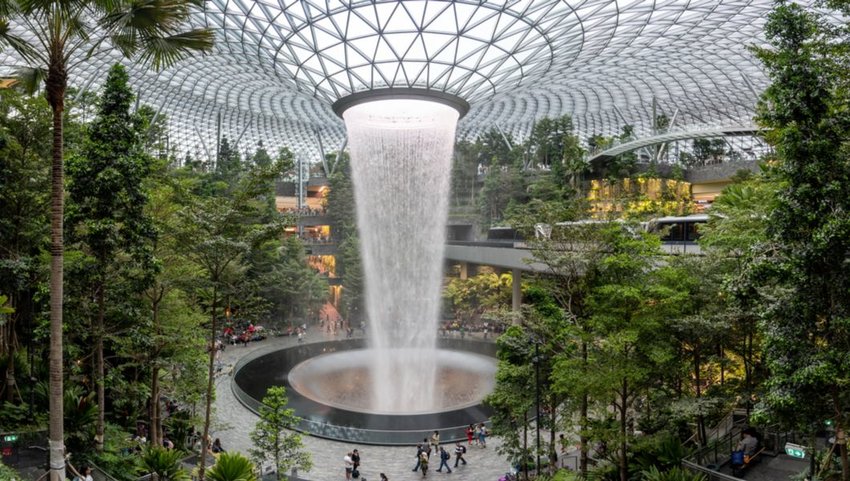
[674, 134]
[517, 257]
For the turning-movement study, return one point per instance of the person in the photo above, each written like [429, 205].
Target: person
[435, 441]
[460, 450]
[426, 447]
[748, 443]
[355, 458]
[216, 446]
[423, 463]
[470, 434]
[384, 477]
[349, 465]
[167, 443]
[83, 475]
[482, 435]
[444, 460]
[419, 450]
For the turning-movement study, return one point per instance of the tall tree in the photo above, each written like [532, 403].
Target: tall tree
[54, 34]
[218, 233]
[24, 213]
[807, 323]
[173, 333]
[573, 257]
[107, 204]
[627, 308]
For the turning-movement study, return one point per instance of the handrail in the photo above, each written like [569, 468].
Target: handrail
[710, 474]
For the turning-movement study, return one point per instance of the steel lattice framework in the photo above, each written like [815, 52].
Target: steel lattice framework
[279, 64]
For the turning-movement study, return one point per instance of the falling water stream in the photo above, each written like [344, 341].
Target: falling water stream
[401, 153]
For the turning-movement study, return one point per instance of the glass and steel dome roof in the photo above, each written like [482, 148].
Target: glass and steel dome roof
[278, 65]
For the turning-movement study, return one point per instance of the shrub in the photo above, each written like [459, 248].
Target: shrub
[164, 462]
[672, 474]
[232, 467]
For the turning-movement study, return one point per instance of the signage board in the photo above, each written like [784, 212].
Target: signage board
[795, 450]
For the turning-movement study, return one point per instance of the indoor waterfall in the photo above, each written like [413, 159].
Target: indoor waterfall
[401, 154]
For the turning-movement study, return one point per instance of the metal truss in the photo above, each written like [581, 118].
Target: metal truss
[278, 65]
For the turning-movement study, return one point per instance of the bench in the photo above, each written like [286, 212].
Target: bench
[738, 470]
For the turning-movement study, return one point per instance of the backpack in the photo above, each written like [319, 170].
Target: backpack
[445, 455]
[355, 474]
[463, 448]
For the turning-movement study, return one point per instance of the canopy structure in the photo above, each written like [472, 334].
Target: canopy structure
[279, 65]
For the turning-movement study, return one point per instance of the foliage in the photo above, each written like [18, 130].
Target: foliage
[106, 216]
[515, 374]
[118, 457]
[24, 178]
[639, 198]
[8, 474]
[232, 467]
[738, 218]
[801, 271]
[341, 210]
[80, 411]
[299, 287]
[471, 298]
[54, 34]
[163, 462]
[672, 474]
[619, 167]
[705, 152]
[272, 436]
[663, 452]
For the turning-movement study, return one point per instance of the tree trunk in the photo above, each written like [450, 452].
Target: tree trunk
[156, 439]
[524, 460]
[583, 421]
[553, 454]
[721, 354]
[698, 390]
[100, 379]
[56, 84]
[624, 462]
[11, 383]
[841, 437]
[748, 369]
[210, 379]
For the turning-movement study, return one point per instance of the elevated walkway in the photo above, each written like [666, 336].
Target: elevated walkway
[506, 256]
[517, 256]
[671, 135]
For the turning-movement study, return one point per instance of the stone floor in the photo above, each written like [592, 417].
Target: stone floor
[233, 422]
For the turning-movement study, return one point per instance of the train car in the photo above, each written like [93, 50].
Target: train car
[678, 229]
[679, 234]
[504, 235]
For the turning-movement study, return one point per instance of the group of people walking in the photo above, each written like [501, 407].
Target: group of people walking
[432, 446]
[476, 435]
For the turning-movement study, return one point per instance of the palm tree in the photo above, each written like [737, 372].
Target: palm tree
[52, 38]
[232, 467]
[163, 464]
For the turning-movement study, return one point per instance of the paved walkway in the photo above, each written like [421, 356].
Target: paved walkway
[233, 422]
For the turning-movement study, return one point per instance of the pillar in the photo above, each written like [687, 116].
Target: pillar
[464, 270]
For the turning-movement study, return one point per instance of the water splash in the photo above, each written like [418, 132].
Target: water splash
[401, 153]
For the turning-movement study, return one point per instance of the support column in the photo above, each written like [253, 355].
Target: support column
[464, 271]
[517, 292]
